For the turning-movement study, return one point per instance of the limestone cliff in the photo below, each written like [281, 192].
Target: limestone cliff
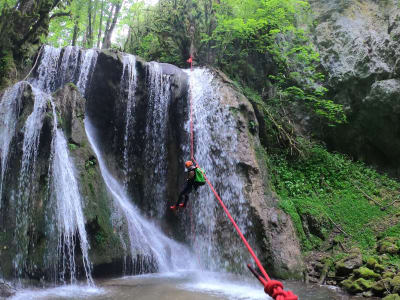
[358, 42]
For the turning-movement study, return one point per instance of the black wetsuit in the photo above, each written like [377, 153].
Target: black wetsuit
[188, 188]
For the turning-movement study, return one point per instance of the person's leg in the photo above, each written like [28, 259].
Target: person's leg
[186, 193]
[186, 190]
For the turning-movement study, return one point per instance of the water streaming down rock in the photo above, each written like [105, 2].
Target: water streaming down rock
[60, 66]
[159, 86]
[69, 215]
[87, 64]
[128, 88]
[47, 71]
[69, 65]
[149, 249]
[26, 186]
[216, 146]
[64, 218]
[10, 105]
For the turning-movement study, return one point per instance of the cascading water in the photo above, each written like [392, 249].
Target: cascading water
[88, 61]
[30, 147]
[69, 65]
[69, 214]
[147, 243]
[65, 214]
[48, 72]
[215, 150]
[10, 106]
[159, 86]
[128, 86]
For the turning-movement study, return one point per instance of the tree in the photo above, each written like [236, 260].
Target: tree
[22, 26]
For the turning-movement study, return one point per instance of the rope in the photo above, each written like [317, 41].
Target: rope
[273, 288]
[37, 58]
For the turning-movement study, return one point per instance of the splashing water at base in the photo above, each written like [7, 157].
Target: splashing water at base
[179, 286]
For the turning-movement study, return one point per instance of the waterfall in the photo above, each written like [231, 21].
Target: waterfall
[10, 106]
[69, 214]
[147, 242]
[128, 87]
[59, 67]
[155, 150]
[47, 72]
[69, 64]
[88, 61]
[32, 128]
[64, 216]
[215, 150]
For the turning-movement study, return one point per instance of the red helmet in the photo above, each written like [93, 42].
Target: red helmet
[188, 164]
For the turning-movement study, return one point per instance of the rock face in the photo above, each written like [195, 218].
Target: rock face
[272, 231]
[358, 42]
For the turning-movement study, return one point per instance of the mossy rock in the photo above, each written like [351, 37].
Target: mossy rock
[392, 297]
[380, 287]
[366, 273]
[388, 274]
[358, 286]
[378, 268]
[346, 265]
[388, 245]
[371, 262]
[395, 284]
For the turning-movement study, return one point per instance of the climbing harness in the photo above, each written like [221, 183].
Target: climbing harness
[273, 288]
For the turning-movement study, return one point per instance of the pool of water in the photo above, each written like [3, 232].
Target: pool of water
[183, 285]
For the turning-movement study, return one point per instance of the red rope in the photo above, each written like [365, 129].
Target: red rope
[273, 288]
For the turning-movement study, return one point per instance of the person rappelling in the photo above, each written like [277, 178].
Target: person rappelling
[195, 178]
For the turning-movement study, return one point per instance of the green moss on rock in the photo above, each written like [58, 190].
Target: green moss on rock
[388, 245]
[366, 273]
[392, 297]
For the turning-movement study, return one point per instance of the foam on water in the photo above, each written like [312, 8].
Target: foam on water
[61, 292]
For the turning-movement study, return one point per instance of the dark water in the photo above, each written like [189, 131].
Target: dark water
[178, 286]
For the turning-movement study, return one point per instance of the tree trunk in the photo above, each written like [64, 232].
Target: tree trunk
[107, 29]
[107, 36]
[89, 35]
[75, 34]
[100, 24]
[128, 39]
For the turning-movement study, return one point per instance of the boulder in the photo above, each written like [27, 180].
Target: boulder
[346, 265]
[388, 245]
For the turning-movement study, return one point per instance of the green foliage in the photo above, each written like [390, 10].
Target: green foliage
[72, 146]
[330, 188]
